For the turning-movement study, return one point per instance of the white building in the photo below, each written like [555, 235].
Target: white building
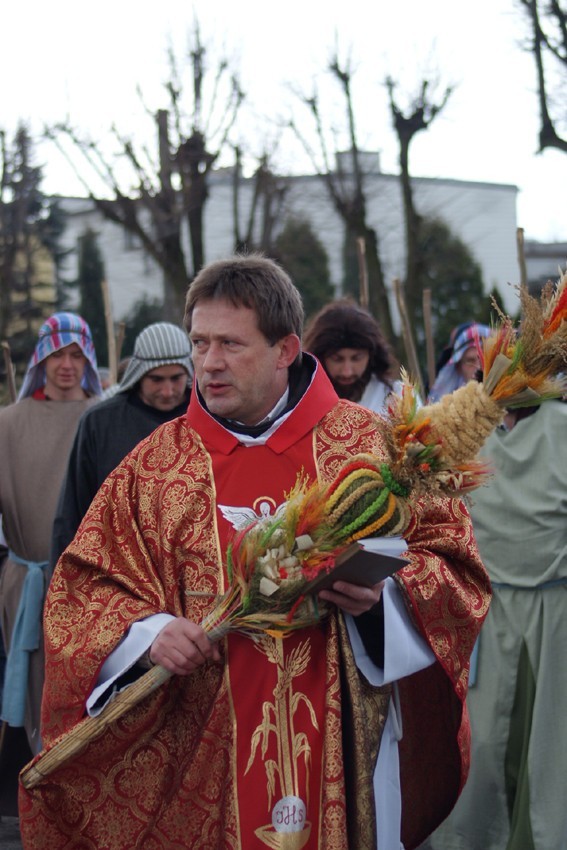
[544, 261]
[483, 215]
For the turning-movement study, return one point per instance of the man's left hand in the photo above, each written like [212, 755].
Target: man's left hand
[352, 598]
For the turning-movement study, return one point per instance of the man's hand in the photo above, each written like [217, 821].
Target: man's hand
[182, 646]
[353, 598]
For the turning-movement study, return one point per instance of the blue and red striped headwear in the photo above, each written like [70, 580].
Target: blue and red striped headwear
[449, 378]
[59, 331]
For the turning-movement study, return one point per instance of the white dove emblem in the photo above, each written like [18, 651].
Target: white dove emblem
[241, 518]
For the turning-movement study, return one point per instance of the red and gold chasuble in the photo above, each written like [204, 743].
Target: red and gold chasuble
[248, 753]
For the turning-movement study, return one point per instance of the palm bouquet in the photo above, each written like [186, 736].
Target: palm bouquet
[271, 563]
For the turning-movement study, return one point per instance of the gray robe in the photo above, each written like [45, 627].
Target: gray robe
[515, 795]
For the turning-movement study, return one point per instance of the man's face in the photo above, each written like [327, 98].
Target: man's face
[240, 375]
[163, 387]
[64, 371]
[346, 368]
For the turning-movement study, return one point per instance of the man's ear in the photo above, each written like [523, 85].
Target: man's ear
[289, 346]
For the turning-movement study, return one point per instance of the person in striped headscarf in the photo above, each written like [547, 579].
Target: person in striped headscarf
[463, 363]
[153, 390]
[36, 434]
[61, 335]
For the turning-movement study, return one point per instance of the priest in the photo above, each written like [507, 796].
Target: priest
[350, 733]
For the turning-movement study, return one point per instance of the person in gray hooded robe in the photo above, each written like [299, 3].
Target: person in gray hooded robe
[153, 390]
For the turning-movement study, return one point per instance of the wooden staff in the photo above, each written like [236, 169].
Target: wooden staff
[90, 728]
[362, 271]
[407, 335]
[9, 371]
[521, 256]
[429, 344]
[110, 338]
[119, 343]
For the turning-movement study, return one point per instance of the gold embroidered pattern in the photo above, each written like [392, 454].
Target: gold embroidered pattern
[291, 745]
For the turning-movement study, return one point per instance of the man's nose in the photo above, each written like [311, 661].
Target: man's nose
[213, 360]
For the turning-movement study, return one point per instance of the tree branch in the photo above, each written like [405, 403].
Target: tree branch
[548, 136]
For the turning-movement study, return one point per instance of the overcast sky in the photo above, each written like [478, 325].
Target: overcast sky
[82, 60]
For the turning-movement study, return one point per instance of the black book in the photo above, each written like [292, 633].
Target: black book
[361, 565]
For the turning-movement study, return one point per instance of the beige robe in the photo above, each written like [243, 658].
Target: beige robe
[35, 441]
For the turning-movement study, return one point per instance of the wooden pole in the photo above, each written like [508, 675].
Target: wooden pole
[521, 256]
[110, 337]
[9, 371]
[411, 353]
[362, 271]
[120, 342]
[90, 728]
[429, 343]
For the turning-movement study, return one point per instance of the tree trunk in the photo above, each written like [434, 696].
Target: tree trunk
[378, 300]
[414, 261]
[175, 279]
[197, 198]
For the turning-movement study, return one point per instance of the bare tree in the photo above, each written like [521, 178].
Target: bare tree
[268, 195]
[347, 192]
[548, 23]
[170, 186]
[419, 116]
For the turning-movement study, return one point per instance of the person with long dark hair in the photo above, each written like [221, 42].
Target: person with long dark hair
[350, 346]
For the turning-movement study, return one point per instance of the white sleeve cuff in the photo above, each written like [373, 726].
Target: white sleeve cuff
[135, 642]
[405, 650]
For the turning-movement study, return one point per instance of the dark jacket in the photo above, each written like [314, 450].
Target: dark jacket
[107, 432]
